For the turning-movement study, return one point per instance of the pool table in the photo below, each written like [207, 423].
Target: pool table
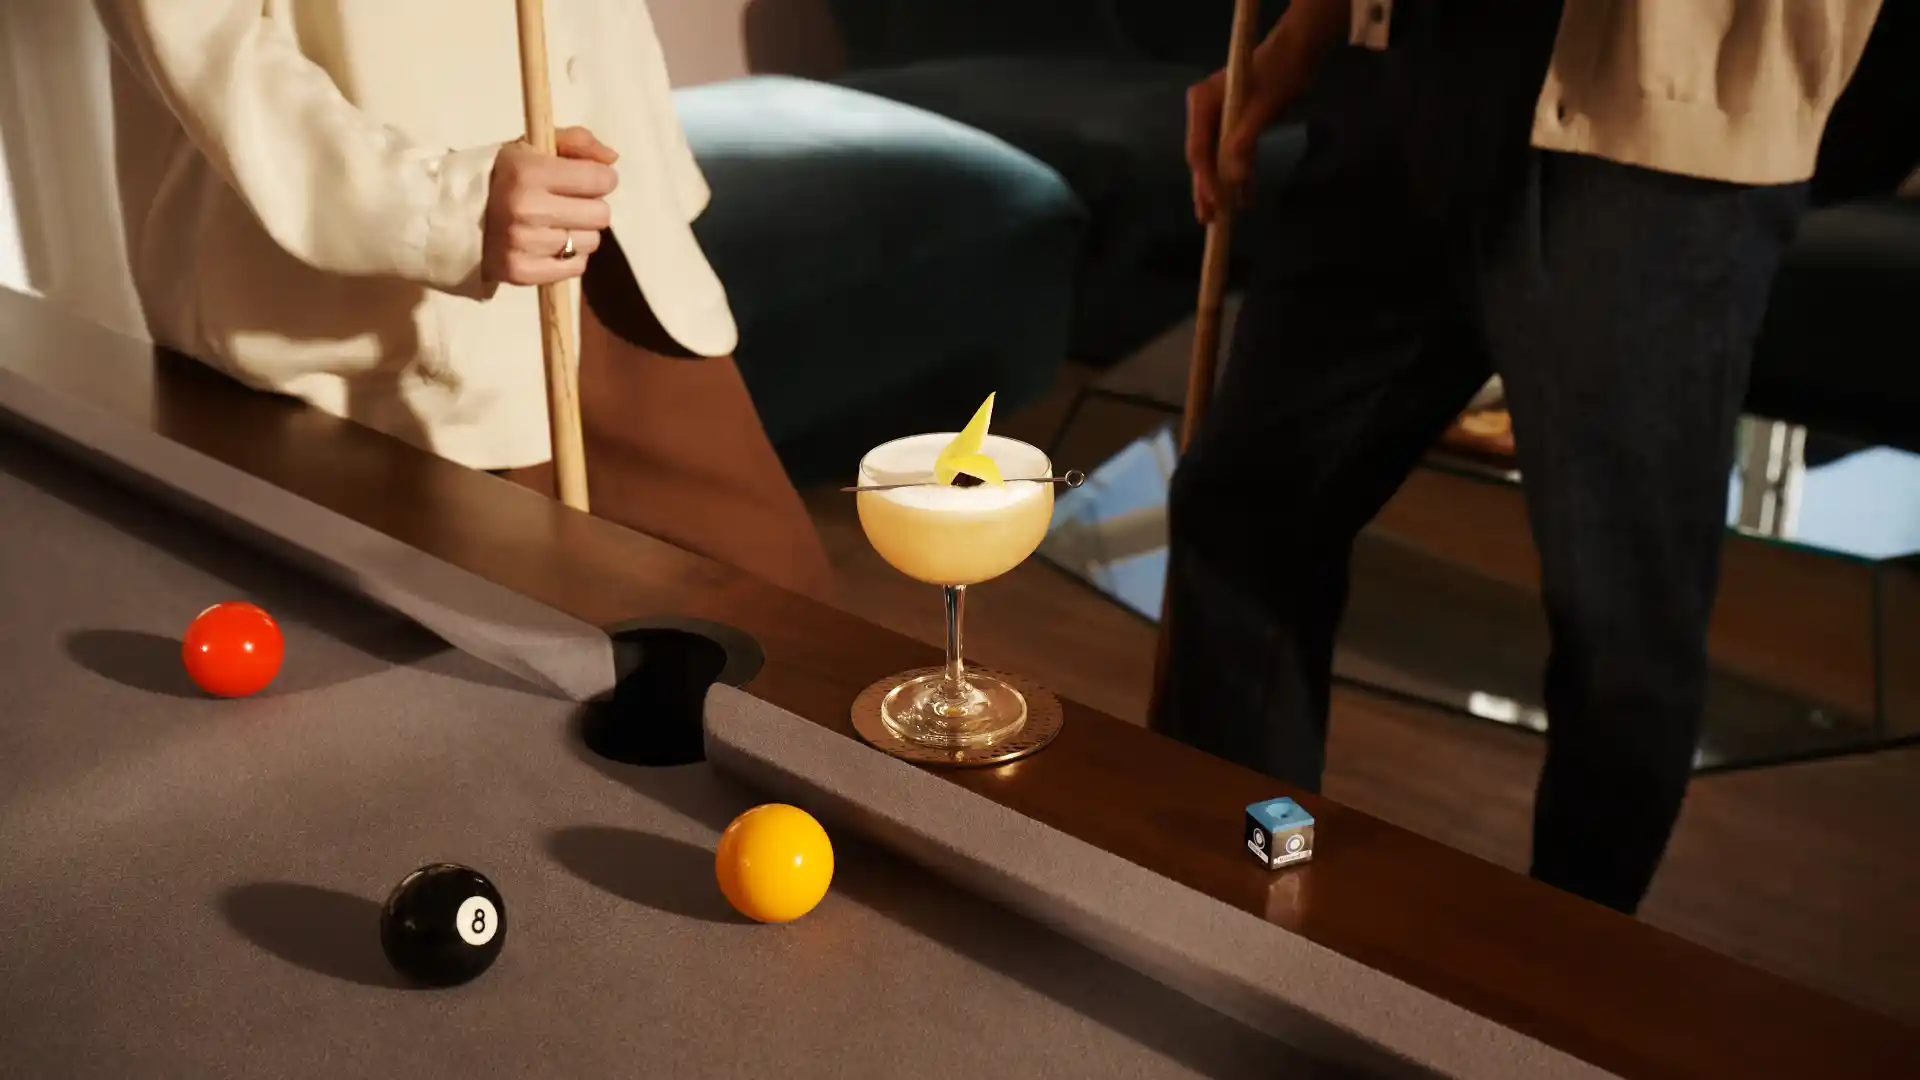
[477, 674]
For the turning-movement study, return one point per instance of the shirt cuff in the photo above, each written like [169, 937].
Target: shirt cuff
[456, 224]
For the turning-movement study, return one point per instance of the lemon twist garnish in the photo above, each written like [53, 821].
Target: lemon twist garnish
[963, 454]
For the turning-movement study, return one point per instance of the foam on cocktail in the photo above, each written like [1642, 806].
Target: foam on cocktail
[943, 528]
[913, 460]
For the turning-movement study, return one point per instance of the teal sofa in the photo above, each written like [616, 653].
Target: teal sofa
[1096, 89]
[888, 267]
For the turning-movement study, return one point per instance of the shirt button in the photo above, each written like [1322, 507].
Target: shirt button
[573, 69]
[1560, 111]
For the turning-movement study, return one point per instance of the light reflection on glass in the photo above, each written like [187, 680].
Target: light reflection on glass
[1506, 711]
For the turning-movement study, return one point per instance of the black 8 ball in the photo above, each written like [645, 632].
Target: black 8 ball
[443, 925]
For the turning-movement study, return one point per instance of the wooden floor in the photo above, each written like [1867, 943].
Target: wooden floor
[1812, 871]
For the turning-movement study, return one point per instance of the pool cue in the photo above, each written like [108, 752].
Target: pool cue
[1204, 360]
[556, 313]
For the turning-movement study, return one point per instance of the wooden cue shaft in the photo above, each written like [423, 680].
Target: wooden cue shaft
[1204, 360]
[1213, 265]
[556, 311]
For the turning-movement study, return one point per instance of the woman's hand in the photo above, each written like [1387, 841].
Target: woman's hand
[538, 202]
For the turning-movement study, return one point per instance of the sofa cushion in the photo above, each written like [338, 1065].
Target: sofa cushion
[888, 267]
[1115, 128]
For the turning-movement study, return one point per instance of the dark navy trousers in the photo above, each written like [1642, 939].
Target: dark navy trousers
[1422, 246]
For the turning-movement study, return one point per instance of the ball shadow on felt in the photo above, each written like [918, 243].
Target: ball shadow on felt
[322, 930]
[667, 875]
[144, 661]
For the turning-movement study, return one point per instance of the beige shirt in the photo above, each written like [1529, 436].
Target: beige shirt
[1736, 90]
[304, 182]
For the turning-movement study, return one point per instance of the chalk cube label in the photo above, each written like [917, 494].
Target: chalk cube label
[1279, 833]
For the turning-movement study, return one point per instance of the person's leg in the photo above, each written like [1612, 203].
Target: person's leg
[1349, 359]
[675, 448]
[1620, 307]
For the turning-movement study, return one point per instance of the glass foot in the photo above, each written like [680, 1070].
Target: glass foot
[925, 711]
[1044, 718]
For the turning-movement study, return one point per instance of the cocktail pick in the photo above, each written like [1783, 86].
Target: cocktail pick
[1073, 479]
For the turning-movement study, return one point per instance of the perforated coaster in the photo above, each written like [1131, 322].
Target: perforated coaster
[1043, 723]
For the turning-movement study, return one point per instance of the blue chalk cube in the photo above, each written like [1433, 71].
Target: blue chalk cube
[1279, 833]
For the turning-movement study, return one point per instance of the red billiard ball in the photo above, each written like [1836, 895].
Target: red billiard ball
[233, 649]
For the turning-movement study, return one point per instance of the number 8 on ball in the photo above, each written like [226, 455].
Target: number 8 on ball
[477, 920]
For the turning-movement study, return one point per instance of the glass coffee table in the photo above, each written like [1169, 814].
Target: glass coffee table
[1816, 645]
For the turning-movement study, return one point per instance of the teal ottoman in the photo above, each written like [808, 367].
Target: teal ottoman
[888, 267]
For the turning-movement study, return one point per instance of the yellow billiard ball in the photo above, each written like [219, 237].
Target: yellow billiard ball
[774, 863]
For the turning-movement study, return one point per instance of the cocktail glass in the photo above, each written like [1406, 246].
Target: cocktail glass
[954, 537]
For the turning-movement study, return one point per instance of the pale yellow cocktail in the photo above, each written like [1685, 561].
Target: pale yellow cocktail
[955, 509]
[946, 535]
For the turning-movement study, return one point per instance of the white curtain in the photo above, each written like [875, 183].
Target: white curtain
[60, 233]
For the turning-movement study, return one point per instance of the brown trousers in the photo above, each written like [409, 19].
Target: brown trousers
[675, 448]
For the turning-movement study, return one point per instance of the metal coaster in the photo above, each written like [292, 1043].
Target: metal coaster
[1043, 723]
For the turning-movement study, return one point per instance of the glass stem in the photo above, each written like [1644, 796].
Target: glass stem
[956, 670]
